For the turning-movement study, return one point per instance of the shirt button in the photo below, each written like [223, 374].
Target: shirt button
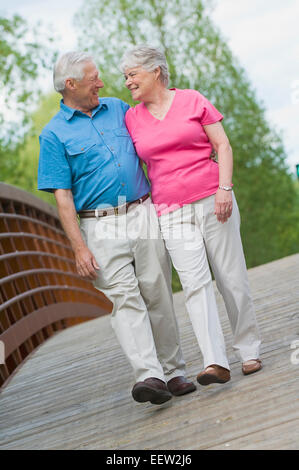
[119, 164]
[123, 184]
[102, 133]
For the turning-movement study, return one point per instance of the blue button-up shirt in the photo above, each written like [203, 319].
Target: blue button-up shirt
[92, 156]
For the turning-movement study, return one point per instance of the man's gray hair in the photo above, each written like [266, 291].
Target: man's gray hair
[147, 57]
[69, 65]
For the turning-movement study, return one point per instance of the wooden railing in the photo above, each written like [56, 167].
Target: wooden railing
[40, 290]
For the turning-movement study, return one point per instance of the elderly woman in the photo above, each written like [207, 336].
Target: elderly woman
[174, 132]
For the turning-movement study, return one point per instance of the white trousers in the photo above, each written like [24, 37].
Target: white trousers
[135, 274]
[194, 236]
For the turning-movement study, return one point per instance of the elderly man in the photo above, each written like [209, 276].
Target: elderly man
[88, 160]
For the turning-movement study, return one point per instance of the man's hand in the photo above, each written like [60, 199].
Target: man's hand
[86, 263]
[223, 205]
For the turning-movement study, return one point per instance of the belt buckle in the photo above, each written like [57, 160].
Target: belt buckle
[96, 213]
[115, 210]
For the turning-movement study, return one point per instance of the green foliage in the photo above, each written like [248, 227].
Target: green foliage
[23, 55]
[199, 58]
[24, 173]
[176, 283]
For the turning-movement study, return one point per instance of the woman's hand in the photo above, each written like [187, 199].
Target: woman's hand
[220, 142]
[223, 205]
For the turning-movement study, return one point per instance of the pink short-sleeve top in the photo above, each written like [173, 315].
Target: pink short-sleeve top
[176, 149]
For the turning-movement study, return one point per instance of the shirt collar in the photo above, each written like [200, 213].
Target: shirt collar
[69, 112]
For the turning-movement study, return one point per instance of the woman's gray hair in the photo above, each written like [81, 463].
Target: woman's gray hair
[69, 65]
[147, 57]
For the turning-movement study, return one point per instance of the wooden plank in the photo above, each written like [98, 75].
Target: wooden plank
[74, 392]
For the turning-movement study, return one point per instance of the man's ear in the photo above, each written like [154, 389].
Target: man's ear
[70, 84]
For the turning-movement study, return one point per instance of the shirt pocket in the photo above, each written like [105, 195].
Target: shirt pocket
[124, 141]
[77, 149]
[84, 157]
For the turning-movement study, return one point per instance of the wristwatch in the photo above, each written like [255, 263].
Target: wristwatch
[226, 188]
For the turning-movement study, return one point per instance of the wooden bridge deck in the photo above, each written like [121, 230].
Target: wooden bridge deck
[74, 392]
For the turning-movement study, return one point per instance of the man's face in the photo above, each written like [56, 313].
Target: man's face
[87, 89]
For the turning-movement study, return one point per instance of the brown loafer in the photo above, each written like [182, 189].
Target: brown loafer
[251, 366]
[213, 374]
[180, 386]
[151, 389]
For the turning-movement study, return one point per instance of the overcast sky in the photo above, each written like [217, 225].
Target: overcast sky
[263, 34]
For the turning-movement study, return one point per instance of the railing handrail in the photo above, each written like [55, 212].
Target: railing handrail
[26, 218]
[12, 193]
[33, 235]
[13, 254]
[40, 290]
[29, 272]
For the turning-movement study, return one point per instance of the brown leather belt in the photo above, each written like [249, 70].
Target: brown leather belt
[119, 210]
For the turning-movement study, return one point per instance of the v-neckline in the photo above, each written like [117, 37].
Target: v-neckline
[169, 109]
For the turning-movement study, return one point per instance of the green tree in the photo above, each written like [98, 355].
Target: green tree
[199, 58]
[25, 171]
[23, 55]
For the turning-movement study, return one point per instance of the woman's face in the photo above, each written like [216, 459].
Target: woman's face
[140, 82]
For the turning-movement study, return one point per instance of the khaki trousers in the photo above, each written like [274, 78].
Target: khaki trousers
[135, 274]
[194, 236]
